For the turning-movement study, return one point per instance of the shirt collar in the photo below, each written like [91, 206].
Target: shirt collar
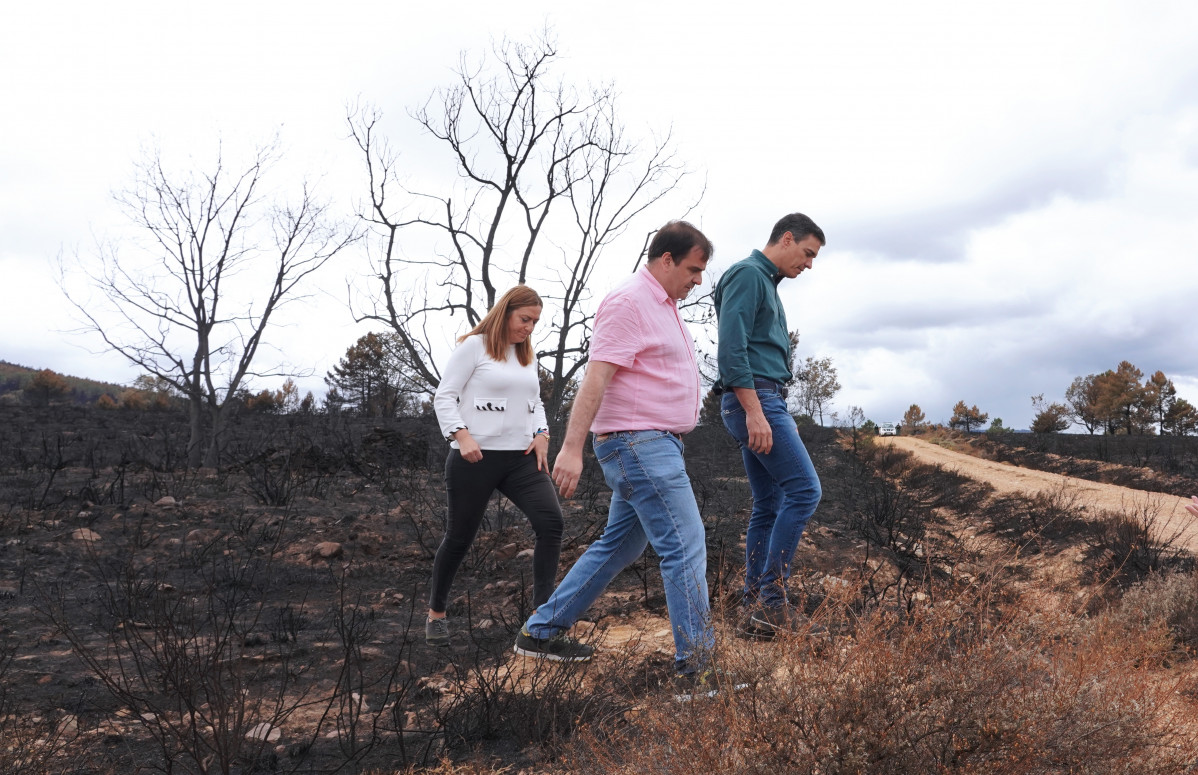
[765, 265]
[659, 293]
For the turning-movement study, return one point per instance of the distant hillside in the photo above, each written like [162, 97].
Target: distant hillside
[13, 379]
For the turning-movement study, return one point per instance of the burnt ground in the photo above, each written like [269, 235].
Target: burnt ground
[268, 616]
[144, 606]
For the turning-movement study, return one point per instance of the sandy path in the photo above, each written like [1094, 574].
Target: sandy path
[1009, 479]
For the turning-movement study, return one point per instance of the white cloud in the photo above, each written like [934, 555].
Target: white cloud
[1008, 191]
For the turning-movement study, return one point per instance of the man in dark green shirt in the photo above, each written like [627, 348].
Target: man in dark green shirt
[754, 362]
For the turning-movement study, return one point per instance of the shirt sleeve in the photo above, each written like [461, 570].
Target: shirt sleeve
[457, 373]
[617, 338]
[741, 297]
[538, 411]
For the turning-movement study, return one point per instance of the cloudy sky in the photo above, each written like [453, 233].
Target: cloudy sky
[1009, 190]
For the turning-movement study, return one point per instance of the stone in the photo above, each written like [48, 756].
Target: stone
[85, 534]
[166, 502]
[202, 535]
[264, 731]
[327, 550]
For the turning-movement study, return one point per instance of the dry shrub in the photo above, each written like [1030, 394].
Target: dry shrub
[1168, 599]
[888, 461]
[448, 767]
[944, 692]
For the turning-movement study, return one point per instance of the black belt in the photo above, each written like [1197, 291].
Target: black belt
[768, 384]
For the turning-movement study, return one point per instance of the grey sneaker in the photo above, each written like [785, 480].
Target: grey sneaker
[559, 648]
[767, 622]
[436, 632]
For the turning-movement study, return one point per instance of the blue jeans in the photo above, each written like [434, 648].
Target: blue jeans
[651, 503]
[785, 489]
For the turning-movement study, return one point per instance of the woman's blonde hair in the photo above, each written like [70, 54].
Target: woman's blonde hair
[493, 327]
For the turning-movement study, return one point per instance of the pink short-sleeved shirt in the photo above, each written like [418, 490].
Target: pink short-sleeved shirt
[638, 328]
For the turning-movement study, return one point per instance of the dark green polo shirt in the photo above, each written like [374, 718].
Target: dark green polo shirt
[754, 340]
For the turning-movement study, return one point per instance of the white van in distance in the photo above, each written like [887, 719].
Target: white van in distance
[887, 429]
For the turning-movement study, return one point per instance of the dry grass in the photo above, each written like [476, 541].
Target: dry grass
[948, 691]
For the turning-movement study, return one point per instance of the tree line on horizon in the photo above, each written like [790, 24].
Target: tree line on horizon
[372, 380]
[1116, 401]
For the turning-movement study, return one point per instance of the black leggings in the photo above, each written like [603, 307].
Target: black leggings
[468, 488]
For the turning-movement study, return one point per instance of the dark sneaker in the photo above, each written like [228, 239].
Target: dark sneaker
[436, 632]
[559, 648]
[768, 622]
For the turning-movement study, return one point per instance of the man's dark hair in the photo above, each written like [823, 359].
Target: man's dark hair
[679, 238]
[799, 226]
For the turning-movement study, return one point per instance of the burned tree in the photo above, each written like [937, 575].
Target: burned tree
[190, 301]
[547, 180]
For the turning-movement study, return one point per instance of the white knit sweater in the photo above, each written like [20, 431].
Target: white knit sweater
[499, 401]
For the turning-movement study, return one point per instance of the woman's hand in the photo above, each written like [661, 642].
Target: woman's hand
[1193, 507]
[469, 448]
[540, 445]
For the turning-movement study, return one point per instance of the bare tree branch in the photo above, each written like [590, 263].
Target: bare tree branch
[546, 181]
[212, 243]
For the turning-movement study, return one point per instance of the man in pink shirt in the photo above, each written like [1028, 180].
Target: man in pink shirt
[641, 390]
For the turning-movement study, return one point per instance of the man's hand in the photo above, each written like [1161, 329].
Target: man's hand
[540, 445]
[1193, 507]
[567, 470]
[568, 467]
[469, 448]
[761, 435]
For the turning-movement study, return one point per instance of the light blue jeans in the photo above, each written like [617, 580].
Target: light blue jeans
[786, 491]
[651, 503]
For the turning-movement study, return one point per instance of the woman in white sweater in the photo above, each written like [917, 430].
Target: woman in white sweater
[489, 406]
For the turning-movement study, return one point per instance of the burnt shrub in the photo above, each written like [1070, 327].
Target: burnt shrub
[1044, 516]
[528, 700]
[889, 517]
[33, 743]
[277, 475]
[1138, 539]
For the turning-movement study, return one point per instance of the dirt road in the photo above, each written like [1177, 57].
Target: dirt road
[1009, 479]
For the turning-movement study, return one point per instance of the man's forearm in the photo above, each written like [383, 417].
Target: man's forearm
[748, 400]
[586, 403]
